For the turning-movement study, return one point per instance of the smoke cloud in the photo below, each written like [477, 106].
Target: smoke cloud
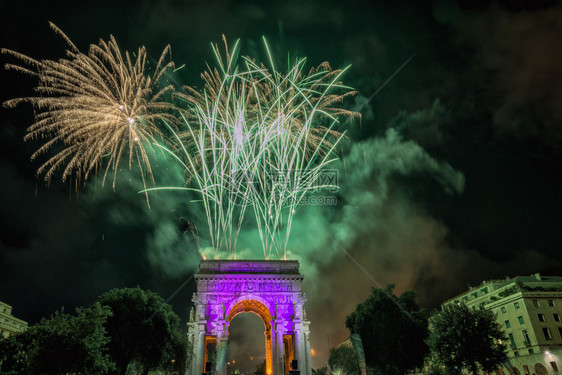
[435, 193]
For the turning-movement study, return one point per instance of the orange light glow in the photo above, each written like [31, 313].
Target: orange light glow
[312, 352]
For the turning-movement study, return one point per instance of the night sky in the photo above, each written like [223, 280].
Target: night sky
[451, 177]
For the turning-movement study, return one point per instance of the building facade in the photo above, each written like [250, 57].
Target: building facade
[9, 324]
[529, 308]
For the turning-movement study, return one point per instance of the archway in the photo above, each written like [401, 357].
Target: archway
[246, 345]
[258, 308]
[269, 289]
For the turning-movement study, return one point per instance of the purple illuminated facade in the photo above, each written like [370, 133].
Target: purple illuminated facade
[270, 289]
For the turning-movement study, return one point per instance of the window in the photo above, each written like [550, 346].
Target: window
[516, 353]
[484, 291]
[526, 337]
[560, 331]
[551, 303]
[531, 351]
[536, 303]
[541, 318]
[521, 321]
[547, 334]
[516, 304]
[507, 325]
[503, 309]
[512, 341]
[556, 317]
[554, 366]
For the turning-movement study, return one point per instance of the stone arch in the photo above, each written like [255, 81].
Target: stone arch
[250, 304]
[270, 289]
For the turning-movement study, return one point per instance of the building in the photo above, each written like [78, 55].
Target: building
[529, 308]
[9, 324]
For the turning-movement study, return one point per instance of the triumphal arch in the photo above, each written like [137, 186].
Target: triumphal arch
[269, 289]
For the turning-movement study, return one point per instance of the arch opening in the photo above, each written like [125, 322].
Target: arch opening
[246, 343]
[252, 306]
[260, 309]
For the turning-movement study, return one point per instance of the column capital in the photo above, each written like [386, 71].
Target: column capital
[202, 326]
[281, 326]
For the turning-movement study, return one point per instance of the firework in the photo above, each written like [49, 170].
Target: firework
[257, 137]
[253, 137]
[95, 108]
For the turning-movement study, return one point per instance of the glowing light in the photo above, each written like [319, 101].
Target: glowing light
[76, 106]
[312, 352]
[547, 352]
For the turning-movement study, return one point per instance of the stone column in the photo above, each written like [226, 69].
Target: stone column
[222, 355]
[198, 328]
[299, 344]
[274, 353]
[192, 335]
[308, 369]
[268, 353]
[300, 349]
[199, 350]
[279, 325]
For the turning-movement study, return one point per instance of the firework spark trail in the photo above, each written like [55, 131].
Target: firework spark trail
[94, 106]
[254, 136]
[298, 145]
[258, 137]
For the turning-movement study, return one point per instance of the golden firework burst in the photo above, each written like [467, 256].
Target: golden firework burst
[97, 107]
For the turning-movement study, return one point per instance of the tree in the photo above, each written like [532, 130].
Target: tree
[463, 338]
[393, 330]
[175, 355]
[261, 368]
[344, 359]
[59, 345]
[13, 354]
[142, 329]
[320, 371]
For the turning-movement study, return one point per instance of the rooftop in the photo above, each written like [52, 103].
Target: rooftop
[249, 266]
